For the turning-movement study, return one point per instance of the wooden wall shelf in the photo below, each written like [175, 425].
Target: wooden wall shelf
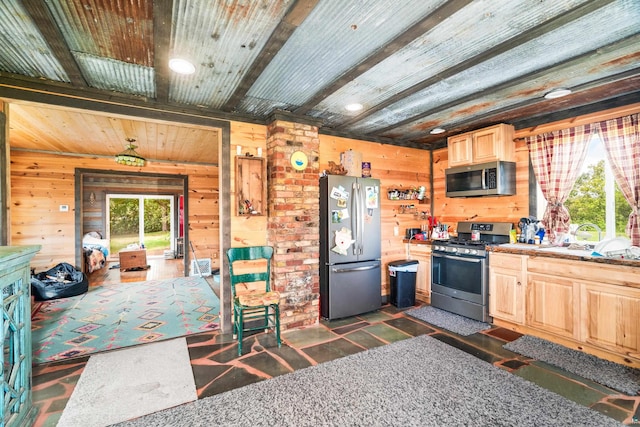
[251, 186]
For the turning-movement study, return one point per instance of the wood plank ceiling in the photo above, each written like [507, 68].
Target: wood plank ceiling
[414, 65]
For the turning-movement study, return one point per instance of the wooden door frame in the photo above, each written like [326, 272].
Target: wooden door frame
[80, 173]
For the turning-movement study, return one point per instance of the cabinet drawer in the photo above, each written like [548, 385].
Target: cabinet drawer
[512, 262]
[420, 249]
[584, 270]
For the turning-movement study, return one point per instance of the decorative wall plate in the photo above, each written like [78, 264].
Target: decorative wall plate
[299, 161]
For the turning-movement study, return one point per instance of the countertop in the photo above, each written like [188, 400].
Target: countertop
[545, 251]
[420, 242]
[560, 253]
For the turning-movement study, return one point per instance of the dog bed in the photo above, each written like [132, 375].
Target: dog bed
[62, 281]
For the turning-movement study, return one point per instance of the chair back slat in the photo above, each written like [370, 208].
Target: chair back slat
[250, 253]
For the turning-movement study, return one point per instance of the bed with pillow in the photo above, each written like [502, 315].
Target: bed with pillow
[96, 251]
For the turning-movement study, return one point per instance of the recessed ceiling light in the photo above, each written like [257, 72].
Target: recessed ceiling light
[353, 107]
[557, 93]
[436, 131]
[181, 66]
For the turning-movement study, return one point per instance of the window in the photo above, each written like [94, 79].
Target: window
[594, 199]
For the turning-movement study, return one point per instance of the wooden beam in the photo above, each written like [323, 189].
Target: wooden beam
[499, 49]
[631, 40]
[5, 172]
[52, 35]
[296, 14]
[162, 20]
[580, 120]
[385, 51]
[47, 92]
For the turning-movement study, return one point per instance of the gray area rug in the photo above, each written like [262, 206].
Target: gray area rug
[618, 377]
[415, 382]
[449, 321]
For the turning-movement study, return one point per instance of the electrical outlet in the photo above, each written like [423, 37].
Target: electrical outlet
[64, 208]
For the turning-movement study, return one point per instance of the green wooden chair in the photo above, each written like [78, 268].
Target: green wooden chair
[255, 309]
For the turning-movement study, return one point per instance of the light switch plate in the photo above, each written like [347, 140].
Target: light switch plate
[64, 208]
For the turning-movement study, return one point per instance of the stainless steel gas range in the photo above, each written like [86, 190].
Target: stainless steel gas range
[460, 269]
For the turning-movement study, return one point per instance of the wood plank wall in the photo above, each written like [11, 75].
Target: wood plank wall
[40, 183]
[395, 167]
[246, 230]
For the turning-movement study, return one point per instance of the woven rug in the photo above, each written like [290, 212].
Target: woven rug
[449, 321]
[122, 315]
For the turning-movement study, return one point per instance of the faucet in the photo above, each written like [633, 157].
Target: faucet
[589, 225]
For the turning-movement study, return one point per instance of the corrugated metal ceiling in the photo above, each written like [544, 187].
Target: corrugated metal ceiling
[414, 64]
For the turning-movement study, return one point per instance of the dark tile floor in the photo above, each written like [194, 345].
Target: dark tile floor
[217, 367]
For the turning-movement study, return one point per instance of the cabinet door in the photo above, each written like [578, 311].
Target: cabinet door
[423, 279]
[610, 317]
[460, 150]
[486, 145]
[506, 294]
[422, 254]
[552, 303]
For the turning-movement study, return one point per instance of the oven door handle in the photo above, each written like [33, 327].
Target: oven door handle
[459, 257]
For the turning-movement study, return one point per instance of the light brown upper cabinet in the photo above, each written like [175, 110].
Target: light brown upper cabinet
[481, 146]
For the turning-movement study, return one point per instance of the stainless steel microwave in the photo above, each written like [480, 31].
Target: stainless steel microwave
[486, 179]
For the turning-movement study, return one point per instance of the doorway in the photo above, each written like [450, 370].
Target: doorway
[97, 188]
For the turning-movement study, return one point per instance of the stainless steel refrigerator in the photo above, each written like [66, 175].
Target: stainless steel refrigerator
[350, 268]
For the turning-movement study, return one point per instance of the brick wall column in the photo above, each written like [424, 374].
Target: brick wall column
[293, 222]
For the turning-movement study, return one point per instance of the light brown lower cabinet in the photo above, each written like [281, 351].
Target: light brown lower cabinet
[585, 305]
[611, 317]
[552, 305]
[507, 277]
[422, 254]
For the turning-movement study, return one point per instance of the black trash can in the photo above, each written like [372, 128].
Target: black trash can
[402, 277]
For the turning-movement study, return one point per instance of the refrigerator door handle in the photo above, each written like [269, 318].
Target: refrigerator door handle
[355, 209]
[363, 210]
[347, 270]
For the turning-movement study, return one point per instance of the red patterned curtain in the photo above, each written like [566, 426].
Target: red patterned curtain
[557, 158]
[621, 138]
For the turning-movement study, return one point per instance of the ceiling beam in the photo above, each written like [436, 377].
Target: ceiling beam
[162, 19]
[609, 97]
[33, 90]
[628, 41]
[416, 30]
[296, 14]
[486, 55]
[41, 16]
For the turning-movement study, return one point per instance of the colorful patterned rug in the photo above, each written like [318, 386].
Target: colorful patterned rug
[115, 316]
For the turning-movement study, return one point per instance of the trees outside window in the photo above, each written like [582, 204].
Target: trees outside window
[587, 202]
[140, 220]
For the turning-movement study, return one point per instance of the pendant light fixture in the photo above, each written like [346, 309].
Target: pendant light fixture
[129, 156]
